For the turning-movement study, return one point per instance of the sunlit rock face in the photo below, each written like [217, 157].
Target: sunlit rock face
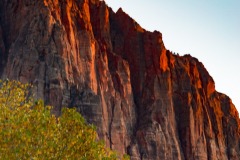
[145, 101]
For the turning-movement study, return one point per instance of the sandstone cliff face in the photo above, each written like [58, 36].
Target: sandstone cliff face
[144, 100]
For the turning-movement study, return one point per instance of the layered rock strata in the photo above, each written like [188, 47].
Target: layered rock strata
[145, 101]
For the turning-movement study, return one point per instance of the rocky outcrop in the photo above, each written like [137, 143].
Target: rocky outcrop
[144, 100]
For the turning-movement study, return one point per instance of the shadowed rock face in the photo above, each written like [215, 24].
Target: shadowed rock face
[144, 100]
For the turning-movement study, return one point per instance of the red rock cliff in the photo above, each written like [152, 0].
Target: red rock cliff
[144, 100]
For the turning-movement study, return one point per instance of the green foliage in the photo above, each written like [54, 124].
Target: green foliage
[126, 157]
[28, 130]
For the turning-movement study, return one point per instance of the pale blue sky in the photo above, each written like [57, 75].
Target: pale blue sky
[207, 29]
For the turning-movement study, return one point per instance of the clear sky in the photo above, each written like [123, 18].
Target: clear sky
[207, 29]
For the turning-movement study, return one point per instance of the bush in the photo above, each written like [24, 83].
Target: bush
[28, 130]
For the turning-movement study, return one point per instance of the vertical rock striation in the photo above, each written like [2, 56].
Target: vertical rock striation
[144, 100]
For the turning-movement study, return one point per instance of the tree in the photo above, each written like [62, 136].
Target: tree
[28, 130]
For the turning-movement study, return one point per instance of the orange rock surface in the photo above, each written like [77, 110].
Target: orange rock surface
[145, 101]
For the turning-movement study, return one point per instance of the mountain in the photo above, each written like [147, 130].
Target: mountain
[145, 101]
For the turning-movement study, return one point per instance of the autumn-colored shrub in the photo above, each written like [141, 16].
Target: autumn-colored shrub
[28, 130]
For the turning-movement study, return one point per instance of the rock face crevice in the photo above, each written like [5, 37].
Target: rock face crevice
[144, 100]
